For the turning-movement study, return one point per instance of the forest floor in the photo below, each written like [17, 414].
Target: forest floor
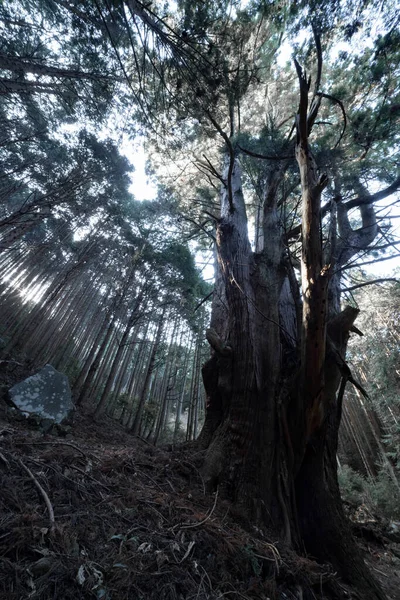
[100, 514]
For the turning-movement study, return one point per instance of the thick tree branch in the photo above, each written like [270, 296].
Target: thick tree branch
[18, 65]
[231, 158]
[318, 48]
[217, 343]
[316, 101]
[371, 198]
[359, 201]
[263, 156]
[354, 240]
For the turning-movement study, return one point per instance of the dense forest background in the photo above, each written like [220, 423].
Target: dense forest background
[118, 292]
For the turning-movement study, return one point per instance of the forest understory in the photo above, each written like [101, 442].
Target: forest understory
[117, 518]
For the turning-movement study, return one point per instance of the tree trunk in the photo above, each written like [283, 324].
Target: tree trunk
[242, 375]
[167, 385]
[143, 395]
[179, 401]
[87, 383]
[324, 528]
[272, 415]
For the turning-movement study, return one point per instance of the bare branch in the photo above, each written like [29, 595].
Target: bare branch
[204, 300]
[369, 262]
[199, 226]
[210, 167]
[375, 281]
[340, 103]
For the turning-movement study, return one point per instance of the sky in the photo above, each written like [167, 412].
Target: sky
[142, 187]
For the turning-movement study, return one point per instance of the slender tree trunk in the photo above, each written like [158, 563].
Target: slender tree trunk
[167, 385]
[194, 393]
[89, 359]
[116, 362]
[150, 367]
[179, 402]
[87, 383]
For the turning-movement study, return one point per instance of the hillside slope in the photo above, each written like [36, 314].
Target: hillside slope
[99, 514]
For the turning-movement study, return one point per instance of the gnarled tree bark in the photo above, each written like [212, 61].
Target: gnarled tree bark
[272, 383]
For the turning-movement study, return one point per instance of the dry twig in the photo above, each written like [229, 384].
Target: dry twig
[106, 487]
[53, 444]
[3, 458]
[193, 525]
[44, 495]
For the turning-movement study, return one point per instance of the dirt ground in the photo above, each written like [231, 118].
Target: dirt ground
[99, 514]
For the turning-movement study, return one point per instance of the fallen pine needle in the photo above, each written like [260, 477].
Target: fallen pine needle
[380, 572]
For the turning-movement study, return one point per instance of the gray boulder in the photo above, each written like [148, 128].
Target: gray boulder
[47, 393]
